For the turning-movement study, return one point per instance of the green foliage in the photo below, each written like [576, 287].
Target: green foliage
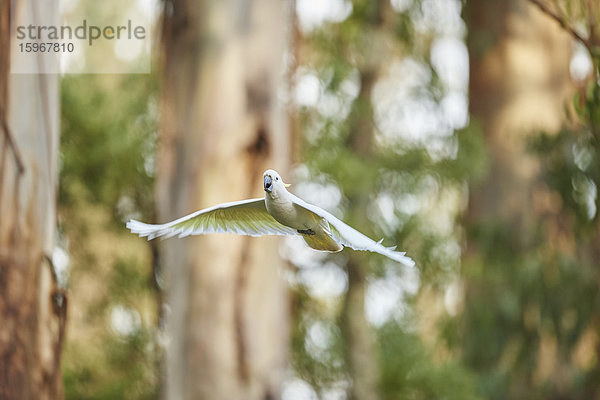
[531, 284]
[346, 148]
[320, 367]
[410, 372]
[533, 295]
[571, 160]
[107, 150]
[89, 378]
[108, 138]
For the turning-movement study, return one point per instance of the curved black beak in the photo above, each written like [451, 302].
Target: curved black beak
[268, 183]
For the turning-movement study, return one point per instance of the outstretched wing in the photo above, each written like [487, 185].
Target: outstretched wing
[350, 237]
[246, 217]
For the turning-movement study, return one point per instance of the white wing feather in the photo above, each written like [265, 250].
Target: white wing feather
[246, 217]
[350, 237]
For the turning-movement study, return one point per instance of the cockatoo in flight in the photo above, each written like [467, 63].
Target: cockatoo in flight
[278, 213]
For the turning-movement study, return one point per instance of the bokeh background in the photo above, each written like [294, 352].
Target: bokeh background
[465, 132]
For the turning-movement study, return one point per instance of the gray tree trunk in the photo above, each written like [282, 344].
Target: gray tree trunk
[32, 309]
[221, 127]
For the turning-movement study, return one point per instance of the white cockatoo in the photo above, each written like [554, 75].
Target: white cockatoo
[278, 213]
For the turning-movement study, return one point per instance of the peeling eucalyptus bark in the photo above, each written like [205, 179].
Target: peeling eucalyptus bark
[32, 308]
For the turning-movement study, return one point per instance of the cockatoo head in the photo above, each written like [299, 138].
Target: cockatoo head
[272, 181]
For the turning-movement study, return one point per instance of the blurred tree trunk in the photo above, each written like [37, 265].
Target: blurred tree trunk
[519, 66]
[360, 338]
[222, 126]
[32, 309]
